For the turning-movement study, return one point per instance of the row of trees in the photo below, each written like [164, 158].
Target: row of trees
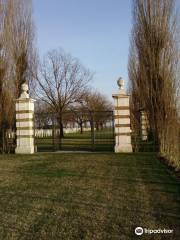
[91, 108]
[154, 73]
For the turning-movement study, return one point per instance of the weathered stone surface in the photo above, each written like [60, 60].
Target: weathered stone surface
[24, 123]
[122, 120]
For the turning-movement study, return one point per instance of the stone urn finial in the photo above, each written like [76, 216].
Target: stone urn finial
[24, 91]
[120, 83]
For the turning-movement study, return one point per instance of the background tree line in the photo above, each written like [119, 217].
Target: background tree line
[91, 108]
[154, 63]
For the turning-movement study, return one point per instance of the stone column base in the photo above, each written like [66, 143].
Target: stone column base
[123, 148]
[24, 150]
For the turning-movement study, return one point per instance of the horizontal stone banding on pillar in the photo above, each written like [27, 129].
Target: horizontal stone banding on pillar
[25, 136]
[24, 111]
[120, 96]
[24, 128]
[122, 125]
[122, 108]
[121, 116]
[23, 100]
[123, 134]
[24, 120]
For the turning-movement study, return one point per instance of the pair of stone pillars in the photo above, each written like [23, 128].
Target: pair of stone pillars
[25, 121]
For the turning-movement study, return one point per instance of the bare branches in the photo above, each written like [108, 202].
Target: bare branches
[19, 34]
[61, 81]
[153, 65]
[95, 101]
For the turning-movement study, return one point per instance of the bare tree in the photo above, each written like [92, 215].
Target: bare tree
[78, 114]
[97, 103]
[153, 68]
[61, 81]
[43, 115]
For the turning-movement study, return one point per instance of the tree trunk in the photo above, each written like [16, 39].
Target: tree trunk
[1, 140]
[92, 132]
[97, 126]
[61, 126]
[81, 127]
[61, 133]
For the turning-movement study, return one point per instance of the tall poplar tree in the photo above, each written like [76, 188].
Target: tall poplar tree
[153, 71]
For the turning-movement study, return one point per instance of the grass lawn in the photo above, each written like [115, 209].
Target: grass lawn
[46, 144]
[103, 141]
[86, 196]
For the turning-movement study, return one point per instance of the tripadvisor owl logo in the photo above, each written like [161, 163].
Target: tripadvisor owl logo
[139, 231]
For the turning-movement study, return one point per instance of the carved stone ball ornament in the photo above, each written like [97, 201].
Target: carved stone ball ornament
[120, 83]
[24, 91]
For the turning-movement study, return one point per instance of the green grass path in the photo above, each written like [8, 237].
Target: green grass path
[86, 196]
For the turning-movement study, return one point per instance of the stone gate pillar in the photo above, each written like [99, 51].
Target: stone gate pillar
[24, 122]
[122, 120]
